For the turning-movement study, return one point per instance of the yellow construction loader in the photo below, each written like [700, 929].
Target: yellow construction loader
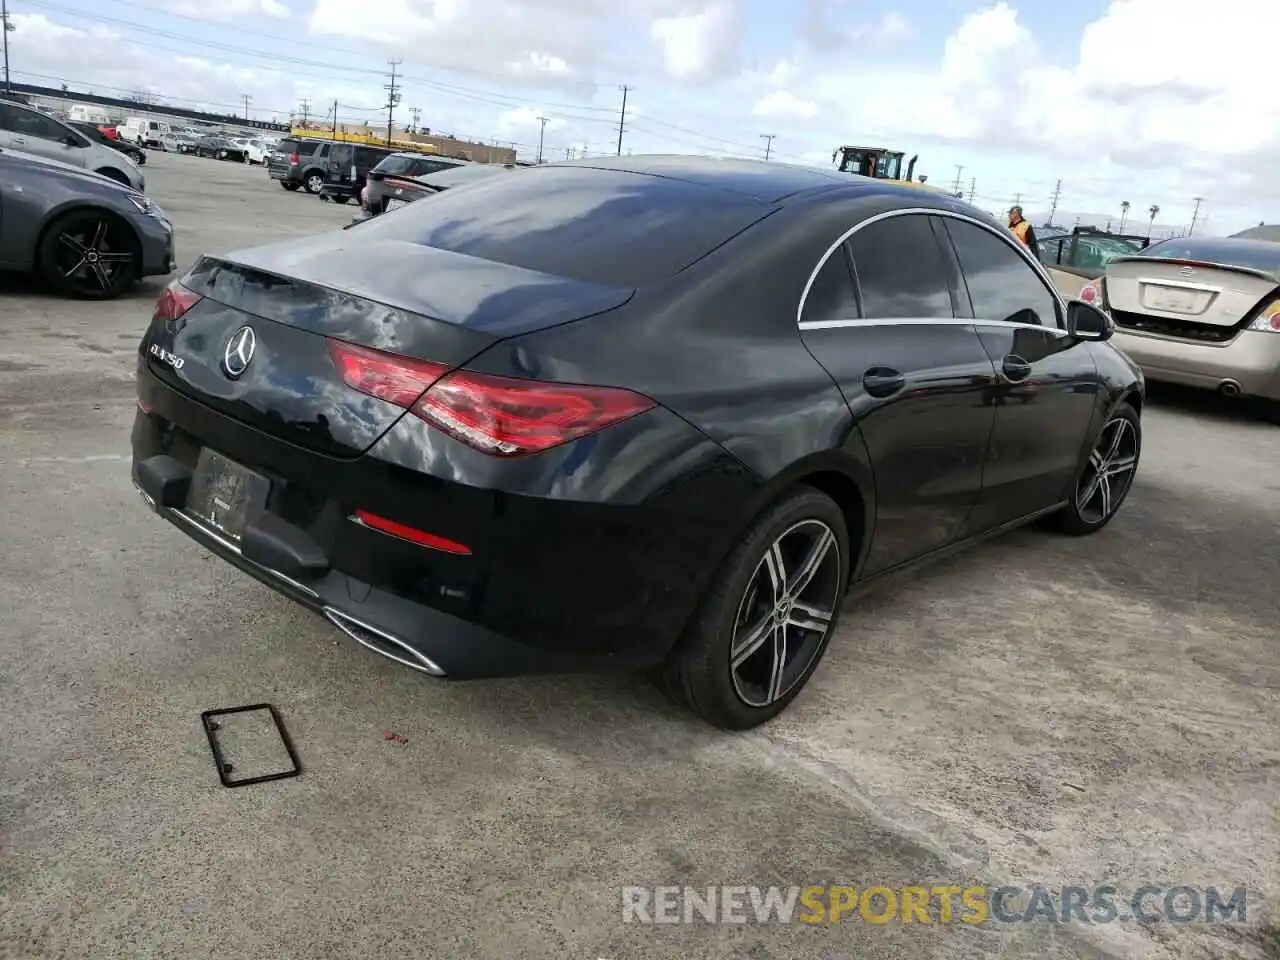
[880, 164]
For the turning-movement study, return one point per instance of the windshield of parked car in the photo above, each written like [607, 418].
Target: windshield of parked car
[609, 227]
[396, 164]
[1253, 254]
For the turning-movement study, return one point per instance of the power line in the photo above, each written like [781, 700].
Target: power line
[768, 139]
[622, 119]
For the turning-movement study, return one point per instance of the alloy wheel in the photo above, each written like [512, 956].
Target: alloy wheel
[93, 255]
[1109, 473]
[785, 613]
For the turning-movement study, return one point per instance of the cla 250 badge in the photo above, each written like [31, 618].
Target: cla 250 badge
[172, 359]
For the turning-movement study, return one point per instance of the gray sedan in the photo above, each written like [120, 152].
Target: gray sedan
[84, 234]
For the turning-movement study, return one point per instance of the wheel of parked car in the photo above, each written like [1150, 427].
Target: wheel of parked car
[89, 254]
[313, 183]
[137, 156]
[1106, 476]
[764, 624]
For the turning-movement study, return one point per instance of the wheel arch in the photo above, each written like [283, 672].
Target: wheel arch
[116, 174]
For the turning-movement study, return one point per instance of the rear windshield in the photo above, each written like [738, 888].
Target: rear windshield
[457, 176]
[599, 226]
[1253, 254]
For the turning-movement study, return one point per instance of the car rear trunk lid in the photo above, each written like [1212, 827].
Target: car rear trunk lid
[1186, 292]
[401, 298]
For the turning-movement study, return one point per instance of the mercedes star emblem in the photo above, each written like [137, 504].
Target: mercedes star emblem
[239, 351]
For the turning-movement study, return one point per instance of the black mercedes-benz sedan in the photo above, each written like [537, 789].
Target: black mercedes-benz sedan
[652, 412]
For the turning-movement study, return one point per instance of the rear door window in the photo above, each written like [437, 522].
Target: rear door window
[901, 271]
[831, 296]
[1002, 285]
[609, 227]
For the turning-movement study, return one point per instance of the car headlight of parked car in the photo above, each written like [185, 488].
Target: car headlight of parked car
[150, 208]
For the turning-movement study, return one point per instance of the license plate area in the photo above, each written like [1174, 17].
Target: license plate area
[1170, 299]
[226, 495]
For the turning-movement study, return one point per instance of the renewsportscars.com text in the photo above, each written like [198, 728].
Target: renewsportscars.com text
[880, 904]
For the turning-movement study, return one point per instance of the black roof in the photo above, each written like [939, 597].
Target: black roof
[768, 181]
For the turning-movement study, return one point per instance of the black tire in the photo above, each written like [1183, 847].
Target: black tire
[1089, 509]
[338, 199]
[138, 157]
[312, 182]
[700, 672]
[289, 186]
[64, 260]
[113, 174]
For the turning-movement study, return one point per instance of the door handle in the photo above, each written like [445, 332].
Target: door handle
[19, 139]
[1015, 368]
[883, 381]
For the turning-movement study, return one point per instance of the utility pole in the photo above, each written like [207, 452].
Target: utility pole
[393, 96]
[768, 139]
[568, 153]
[959, 170]
[335, 120]
[622, 118]
[246, 98]
[1053, 203]
[1195, 215]
[542, 132]
[6, 28]
[416, 113]
[1017, 199]
[973, 188]
[304, 110]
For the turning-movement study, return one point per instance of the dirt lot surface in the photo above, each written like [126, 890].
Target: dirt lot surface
[1040, 710]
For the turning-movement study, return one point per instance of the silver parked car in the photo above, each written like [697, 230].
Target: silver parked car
[27, 130]
[82, 233]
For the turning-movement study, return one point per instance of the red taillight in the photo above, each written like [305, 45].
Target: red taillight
[175, 300]
[500, 416]
[1092, 292]
[412, 534]
[397, 380]
[295, 159]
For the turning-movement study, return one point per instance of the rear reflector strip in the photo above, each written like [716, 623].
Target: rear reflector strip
[412, 534]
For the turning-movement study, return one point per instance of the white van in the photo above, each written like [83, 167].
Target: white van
[83, 113]
[143, 131]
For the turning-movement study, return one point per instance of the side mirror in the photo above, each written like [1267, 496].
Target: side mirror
[1087, 322]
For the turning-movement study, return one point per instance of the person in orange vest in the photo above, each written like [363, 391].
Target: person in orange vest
[1021, 228]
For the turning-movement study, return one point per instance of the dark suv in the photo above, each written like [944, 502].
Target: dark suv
[392, 172]
[348, 166]
[301, 162]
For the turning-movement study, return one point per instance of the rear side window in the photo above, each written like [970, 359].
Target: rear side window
[396, 164]
[831, 296]
[1002, 285]
[600, 226]
[901, 271]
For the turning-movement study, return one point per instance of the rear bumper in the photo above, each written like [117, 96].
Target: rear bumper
[551, 585]
[1251, 359]
[412, 634]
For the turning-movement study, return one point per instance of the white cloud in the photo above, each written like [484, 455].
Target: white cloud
[785, 105]
[696, 45]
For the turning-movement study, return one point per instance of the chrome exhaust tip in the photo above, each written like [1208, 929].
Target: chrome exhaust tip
[382, 643]
[1229, 388]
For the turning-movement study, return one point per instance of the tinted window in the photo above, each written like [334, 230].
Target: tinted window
[398, 164]
[1002, 285]
[901, 272]
[831, 297]
[29, 123]
[456, 176]
[1255, 254]
[601, 226]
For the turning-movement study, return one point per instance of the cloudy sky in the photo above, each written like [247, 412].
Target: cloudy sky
[1149, 101]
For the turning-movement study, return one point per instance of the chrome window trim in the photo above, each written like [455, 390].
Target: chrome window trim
[1018, 248]
[924, 322]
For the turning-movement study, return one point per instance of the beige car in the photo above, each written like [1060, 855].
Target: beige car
[1203, 312]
